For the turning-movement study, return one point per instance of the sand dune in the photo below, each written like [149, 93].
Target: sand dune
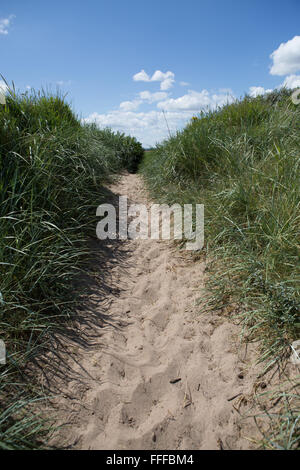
[163, 374]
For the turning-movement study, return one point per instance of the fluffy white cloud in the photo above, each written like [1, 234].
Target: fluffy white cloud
[152, 97]
[255, 91]
[148, 127]
[142, 76]
[286, 59]
[196, 101]
[167, 84]
[183, 83]
[292, 81]
[143, 96]
[5, 24]
[130, 105]
[159, 76]
[166, 79]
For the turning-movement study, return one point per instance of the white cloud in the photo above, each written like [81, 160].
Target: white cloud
[152, 97]
[286, 59]
[130, 105]
[5, 24]
[196, 101]
[142, 97]
[148, 127]
[292, 81]
[159, 76]
[183, 83]
[167, 79]
[255, 91]
[167, 84]
[142, 76]
[151, 127]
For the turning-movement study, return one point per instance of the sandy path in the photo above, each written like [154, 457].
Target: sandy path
[131, 396]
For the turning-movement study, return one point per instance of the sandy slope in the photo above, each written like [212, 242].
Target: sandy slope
[161, 373]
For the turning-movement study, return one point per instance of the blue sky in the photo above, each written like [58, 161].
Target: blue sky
[194, 53]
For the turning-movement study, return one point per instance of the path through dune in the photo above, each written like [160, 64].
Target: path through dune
[163, 374]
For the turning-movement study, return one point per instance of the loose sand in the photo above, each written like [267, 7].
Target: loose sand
[160, 374]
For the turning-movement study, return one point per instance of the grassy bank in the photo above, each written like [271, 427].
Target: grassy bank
[243, 163]
[52, 168]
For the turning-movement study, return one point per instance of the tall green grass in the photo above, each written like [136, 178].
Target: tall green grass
[52, 170]
[243, 163]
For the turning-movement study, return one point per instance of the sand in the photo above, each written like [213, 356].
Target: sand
[161, 373]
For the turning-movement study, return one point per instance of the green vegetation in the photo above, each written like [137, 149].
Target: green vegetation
[52, 168]
[243, 163]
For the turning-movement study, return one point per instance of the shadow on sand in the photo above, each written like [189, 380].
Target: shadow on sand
[55, 365]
